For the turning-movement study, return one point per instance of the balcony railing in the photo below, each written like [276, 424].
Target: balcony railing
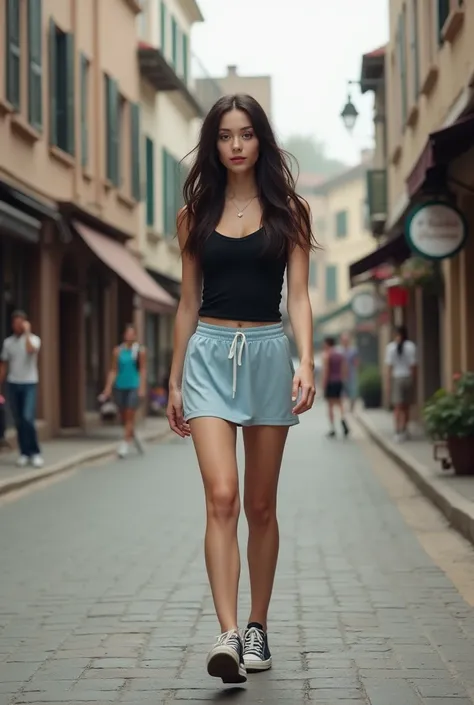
[377, 199]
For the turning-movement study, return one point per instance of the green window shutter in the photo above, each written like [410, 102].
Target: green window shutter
[166, 190]
[13, 53]
[185, 49]
[53, 84]
[112, 128]
[35, 64]
[150, 181]
[415, 50]
[331, 283]
[84, 110]
[135, 147]
[70, 93]
[163, 26]
[341, 224]
[174, 42]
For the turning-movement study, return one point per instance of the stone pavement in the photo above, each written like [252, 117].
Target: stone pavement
[104, 596]
[453, 494]
[72, 449]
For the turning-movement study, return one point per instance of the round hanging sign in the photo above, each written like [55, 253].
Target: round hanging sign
[436, 230]
[364, 305]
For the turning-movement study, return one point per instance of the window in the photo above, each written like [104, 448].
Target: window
[341, 224]
[174, 42]
[135, 146]
[150, 181]
[122, 177]
[313, 273]
[163, 26]
[35, 69]
[331, 283]
[112, 130]
[415, 51]
[185, 49]
[402, 61]
[61, 47]
[444, 7]
[13, 53]
[84, 110]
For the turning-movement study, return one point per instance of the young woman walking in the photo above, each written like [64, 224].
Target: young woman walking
[243, 225]
[127, 377]
[400, 360]
[334, 378]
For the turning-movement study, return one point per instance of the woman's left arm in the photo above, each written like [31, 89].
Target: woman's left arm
[301, 318]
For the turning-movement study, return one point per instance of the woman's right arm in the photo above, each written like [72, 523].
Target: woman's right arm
[112, 376]
[184, 327]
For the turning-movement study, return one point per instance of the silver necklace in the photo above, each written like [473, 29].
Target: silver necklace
[240, 211]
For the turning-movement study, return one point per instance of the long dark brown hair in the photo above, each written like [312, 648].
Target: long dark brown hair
[285, 216]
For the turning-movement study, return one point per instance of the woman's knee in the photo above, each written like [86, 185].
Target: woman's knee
[223, 503]
[260, 511]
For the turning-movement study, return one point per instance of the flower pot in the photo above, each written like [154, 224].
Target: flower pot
[372, 399]
[461, 451]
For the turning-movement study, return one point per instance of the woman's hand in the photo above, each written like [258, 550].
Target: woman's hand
[174, 413]
[303, 382]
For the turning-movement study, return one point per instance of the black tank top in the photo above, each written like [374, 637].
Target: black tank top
[241, 281]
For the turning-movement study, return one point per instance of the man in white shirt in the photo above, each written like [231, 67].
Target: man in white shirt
[19, 365]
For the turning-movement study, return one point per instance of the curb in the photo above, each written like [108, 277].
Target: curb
[457, 510]
[74, 461]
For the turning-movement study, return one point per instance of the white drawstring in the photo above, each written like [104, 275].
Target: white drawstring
[236, 356]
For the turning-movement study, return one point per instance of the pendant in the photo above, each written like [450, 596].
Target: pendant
[240, 215]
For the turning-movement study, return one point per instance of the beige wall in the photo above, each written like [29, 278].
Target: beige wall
[451, 65]
[259, 87]
[26, 155]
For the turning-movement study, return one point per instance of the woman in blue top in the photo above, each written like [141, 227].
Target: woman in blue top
[128, 378]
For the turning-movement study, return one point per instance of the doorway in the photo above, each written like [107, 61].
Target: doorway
[69, 347]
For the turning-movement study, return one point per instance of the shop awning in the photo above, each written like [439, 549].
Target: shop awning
[442, 147]
[172, 286]
[395, 250]
[113, 254]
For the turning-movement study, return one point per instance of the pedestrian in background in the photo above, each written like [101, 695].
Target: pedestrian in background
[127, 383]
[19, 365]
[351, 355]
[242, 227]
[334, 379]
[401, 364]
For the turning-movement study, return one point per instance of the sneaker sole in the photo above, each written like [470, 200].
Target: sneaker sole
[224, 665]
[257, 666]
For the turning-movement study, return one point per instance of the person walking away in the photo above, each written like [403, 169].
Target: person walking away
[401, 364]
[19, 365]
[242, 227]
[351, 354]
[334, 376]
[127, 378]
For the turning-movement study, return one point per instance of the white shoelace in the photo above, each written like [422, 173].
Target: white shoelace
[235, 354]
[226, 637]
[254, 641]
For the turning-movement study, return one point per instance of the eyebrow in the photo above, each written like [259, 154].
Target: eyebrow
[242, 129]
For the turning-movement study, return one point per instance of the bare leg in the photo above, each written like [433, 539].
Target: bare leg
[215, 444]
[129, 424]
[264, 446]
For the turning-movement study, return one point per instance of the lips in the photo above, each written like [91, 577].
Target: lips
[237, 160]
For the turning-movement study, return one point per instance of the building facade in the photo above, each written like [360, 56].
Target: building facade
[259, 87]
[428, 118]
[170, 115]
[70, 192]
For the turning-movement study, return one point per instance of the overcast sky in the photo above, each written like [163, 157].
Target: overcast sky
[310, 48]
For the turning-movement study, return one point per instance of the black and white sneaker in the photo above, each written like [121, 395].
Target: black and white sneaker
[257, 656]
[226, 658]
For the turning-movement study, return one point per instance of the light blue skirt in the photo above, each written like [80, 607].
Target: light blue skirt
[242, 375]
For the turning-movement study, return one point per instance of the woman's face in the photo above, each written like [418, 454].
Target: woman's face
[236, 142]
[129, 336]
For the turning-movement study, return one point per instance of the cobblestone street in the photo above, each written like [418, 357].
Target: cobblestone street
[104, 596]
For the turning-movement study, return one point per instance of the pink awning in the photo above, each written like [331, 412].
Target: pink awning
[115, 255]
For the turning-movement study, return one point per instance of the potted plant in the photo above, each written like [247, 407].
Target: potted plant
[370, 387]
[449, 417]
[420, 272]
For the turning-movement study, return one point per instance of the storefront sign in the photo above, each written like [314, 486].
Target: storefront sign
[364, 305]
[436, 230]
